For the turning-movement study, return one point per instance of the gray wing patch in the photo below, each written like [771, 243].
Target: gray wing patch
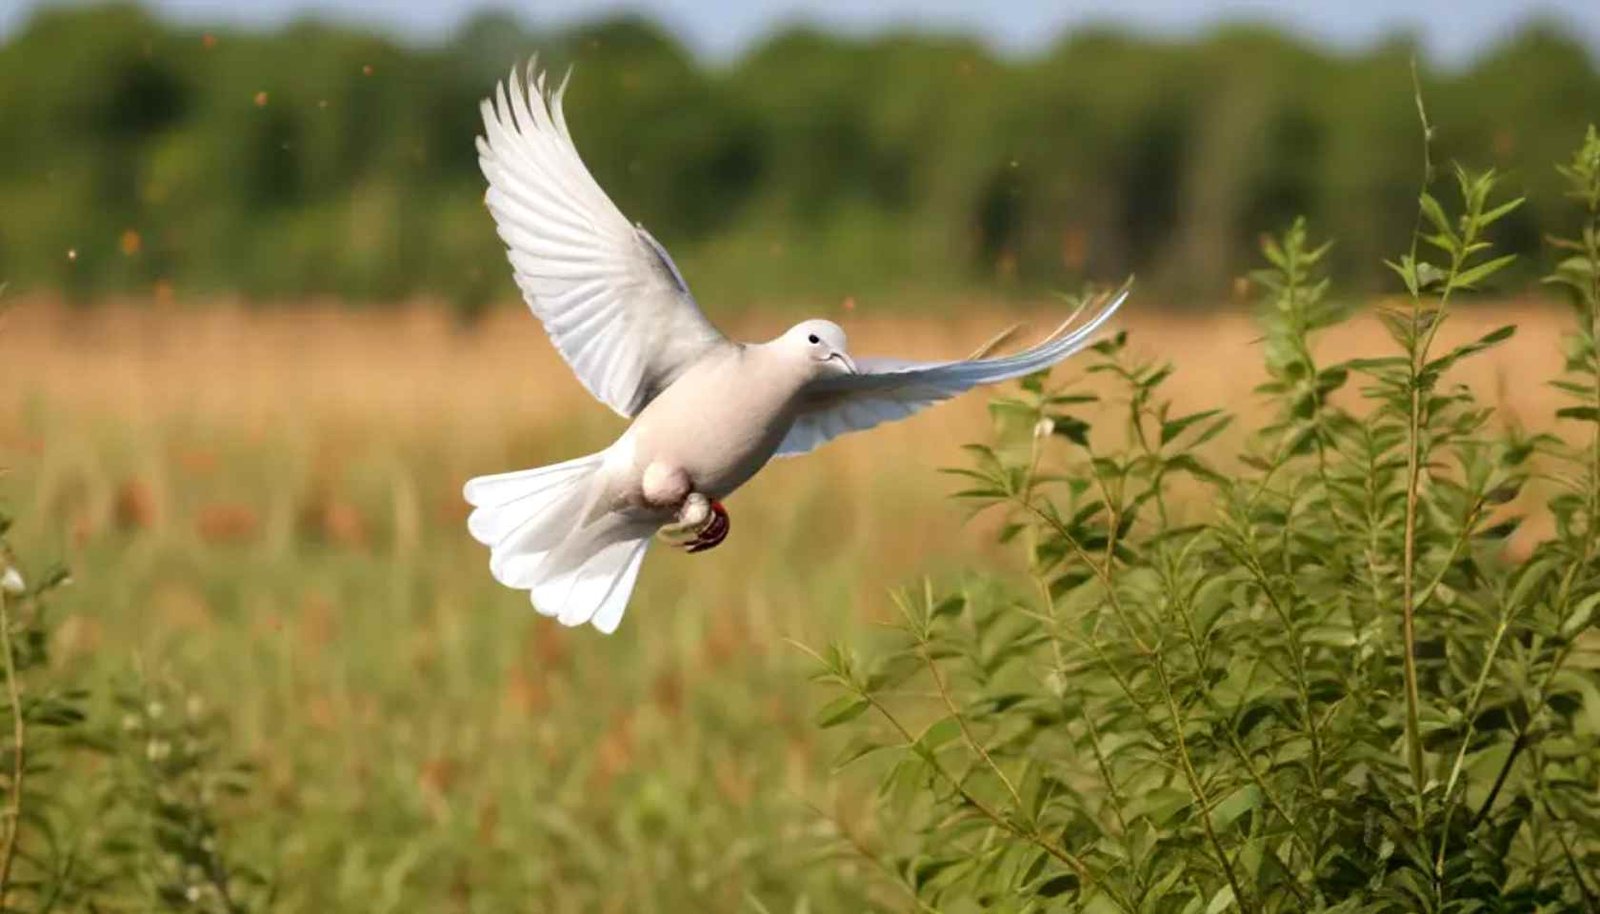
[663, 258]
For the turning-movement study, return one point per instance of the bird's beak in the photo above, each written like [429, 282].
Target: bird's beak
[848, 363]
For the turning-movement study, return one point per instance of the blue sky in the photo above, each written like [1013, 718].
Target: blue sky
[1452, 32]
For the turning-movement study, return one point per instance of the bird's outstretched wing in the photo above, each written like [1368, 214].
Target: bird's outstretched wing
[608, 294]
[883, 390]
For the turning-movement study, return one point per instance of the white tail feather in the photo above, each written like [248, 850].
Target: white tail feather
[590, 576]
[536, 524]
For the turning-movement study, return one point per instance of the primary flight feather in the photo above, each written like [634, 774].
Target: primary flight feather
[708, 413]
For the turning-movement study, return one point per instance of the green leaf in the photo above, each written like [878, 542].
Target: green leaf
[1579, 618]
[1407, 272]
[1159, 804]
[1377, 363]
[928, 869]
[1235, 805]
[1192, 465]
[841, 710]
[1221, 901]
[949, 606]
[1071, 428]
[1492, 338]
[856, 751]
[1172, 428]
[939, 733]
[1015, 409]
[1057, 885]
[1072, 399]
[893, 672]
[1436, 214]
[1211, 431]
[1329, 635]
[1156, 377]
[1499, 212]
[1469, 279]
[1068, 582]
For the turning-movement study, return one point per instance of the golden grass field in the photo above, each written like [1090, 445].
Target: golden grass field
[263, 505]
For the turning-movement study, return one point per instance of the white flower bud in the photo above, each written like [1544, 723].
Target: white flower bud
[12, 582]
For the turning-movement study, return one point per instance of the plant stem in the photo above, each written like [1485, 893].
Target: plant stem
[1296, 653]
[1517, 746]
[1418, 361]
[1196, 789]
[1507, 612]
[8, 850]
[861, 849]
[1061, 854]
[1244, 759]
[1408, 627]
[966, 731]
[1102, 573]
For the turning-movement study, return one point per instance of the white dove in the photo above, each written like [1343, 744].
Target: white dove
[708, 413]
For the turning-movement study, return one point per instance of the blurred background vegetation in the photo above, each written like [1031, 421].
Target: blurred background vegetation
[144, 158]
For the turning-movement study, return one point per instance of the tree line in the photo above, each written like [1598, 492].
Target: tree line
[147, 158]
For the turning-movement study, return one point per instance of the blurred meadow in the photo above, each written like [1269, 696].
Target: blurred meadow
[258, 331]
[263, 504]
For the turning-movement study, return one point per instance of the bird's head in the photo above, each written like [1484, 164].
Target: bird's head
[819, 346]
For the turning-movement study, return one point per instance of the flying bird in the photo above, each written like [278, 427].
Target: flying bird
[708, 413]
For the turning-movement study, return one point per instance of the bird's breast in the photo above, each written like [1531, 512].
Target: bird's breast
[719, 430]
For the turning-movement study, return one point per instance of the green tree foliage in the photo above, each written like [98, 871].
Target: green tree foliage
[1339, 690]
[321, 160]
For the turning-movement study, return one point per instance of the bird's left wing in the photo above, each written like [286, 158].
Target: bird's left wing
[611, 299]
[883, 390]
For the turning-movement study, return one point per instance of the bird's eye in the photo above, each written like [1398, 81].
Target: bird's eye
[812, 339]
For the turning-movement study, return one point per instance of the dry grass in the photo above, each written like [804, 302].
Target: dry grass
[347, 388]
[414, 370]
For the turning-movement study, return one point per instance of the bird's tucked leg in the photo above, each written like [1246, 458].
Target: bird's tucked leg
[701, 524]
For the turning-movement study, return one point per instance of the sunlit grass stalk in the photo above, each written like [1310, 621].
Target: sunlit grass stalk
[1414, 478]
[1461, 241]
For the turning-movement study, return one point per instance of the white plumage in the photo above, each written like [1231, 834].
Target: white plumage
[610, 298]
[708, 413]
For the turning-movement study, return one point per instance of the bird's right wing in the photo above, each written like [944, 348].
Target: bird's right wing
[608, 294]
[883, 390]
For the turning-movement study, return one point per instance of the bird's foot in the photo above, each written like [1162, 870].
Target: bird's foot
[702, 524]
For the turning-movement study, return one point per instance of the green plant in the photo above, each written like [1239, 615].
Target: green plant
[40, 866]
[169, 790]
[1339, 689]
[101, 817]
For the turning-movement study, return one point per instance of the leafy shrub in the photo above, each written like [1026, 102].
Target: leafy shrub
[1340, 689]
[99, 814]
